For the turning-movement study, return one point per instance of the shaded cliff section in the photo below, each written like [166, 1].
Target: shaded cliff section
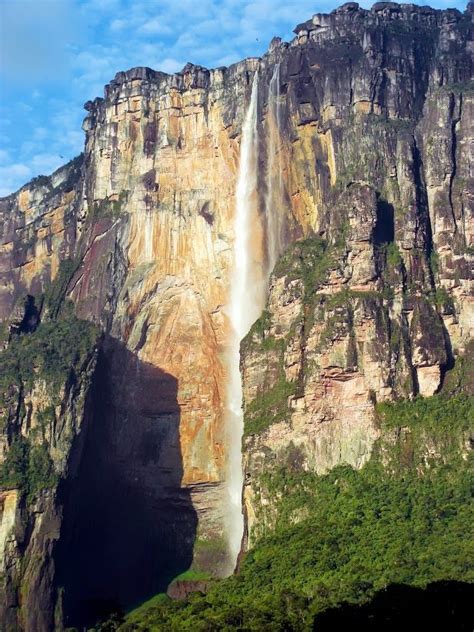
[128, 527]
[94, 516]
[375, 115]
[98, 519]
[441, 605]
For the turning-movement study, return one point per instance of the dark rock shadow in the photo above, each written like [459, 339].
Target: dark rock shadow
[128, 527]
[444, 605]
[31, 317]
[384, 231]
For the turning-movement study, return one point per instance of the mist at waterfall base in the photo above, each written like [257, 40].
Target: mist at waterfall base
[249, 279]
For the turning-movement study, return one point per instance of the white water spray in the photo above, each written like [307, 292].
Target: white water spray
[274, 196]
[246, 303]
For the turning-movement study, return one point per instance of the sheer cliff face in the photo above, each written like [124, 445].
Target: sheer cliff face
[363, 140]
[147, 228]
[164, 150]
[379, 303]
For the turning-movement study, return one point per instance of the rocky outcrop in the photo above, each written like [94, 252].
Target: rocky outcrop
[45, 415]
[39, 228]
[363, 132]
[378, 305]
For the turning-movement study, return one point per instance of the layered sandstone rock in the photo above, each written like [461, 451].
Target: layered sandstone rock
[380, 304]
[363, 134]
[335, 339]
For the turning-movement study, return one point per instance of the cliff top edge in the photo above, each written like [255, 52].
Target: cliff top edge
[350, 12]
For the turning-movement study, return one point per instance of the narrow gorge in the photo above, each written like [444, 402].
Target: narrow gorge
[247, 304]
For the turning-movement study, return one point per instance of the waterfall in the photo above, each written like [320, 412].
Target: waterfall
[274, 195]
[247, 296]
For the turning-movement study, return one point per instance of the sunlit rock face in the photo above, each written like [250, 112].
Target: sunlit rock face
[166, 148]
[363, 127]
[39, 228]
[377, 119]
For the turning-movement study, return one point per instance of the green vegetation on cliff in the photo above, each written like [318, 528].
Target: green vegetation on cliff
[309, 261]
[109, 208]
[269, 407]
[50, 353]
[54, 353]
[57, 346]
[28, 467]
[48, 360]
[403, 518]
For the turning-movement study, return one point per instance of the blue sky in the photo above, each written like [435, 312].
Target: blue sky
[57, 54]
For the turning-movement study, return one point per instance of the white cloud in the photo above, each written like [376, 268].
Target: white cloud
[28, 147]
[40, 133]
[170, 65]
[228, 59]
[118, 25]
[149, 51]
[73, 141]
[46, 163]
[155, 26]
[12, 177]
[57, 54]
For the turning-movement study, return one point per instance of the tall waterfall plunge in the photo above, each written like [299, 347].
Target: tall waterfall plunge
[274, 195]
[247, 299]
